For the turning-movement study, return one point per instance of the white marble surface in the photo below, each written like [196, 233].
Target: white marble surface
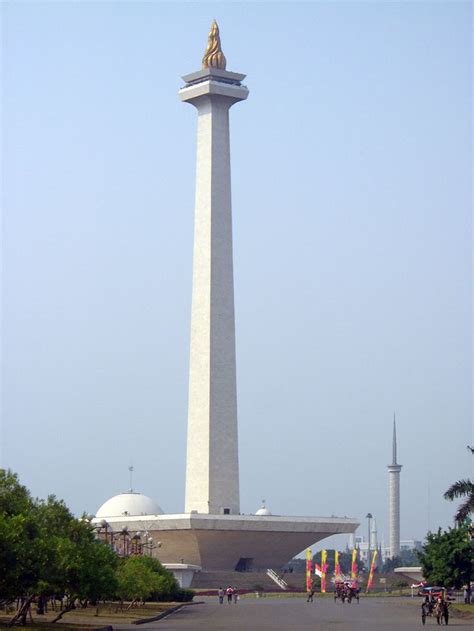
[212, 468]
[219, 541]
[394, 509]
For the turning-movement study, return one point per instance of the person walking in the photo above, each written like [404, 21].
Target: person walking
[310, 595]
[229, 592]
[445, 611]
[236, 595]
[220, 593]
[467, 594]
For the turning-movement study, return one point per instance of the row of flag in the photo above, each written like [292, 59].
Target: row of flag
[321, 570]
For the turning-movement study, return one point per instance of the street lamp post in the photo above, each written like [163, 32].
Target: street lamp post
[123, 542]
[104, 524]
[368, 517]
[149, 545]
[136, 545]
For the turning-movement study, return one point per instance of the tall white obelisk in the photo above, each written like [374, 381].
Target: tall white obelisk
[394, 498]
[212, 466]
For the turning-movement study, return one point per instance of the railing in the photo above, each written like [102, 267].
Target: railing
[279, 581]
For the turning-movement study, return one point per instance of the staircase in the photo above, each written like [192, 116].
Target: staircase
[277, 579]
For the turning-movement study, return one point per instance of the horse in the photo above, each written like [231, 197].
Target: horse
[441, 611]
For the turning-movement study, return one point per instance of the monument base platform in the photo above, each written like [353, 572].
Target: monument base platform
[231, 542]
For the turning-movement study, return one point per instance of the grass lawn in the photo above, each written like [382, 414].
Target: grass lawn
[466, 611]
[103, 615]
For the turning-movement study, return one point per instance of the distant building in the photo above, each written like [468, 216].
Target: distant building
[360, 542]
[410, 544]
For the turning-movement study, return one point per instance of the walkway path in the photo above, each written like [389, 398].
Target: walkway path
[295, 614]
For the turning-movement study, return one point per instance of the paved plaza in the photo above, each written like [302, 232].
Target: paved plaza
[294, 614]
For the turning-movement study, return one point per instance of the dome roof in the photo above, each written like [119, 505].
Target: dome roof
[263, 510]
[128, 504]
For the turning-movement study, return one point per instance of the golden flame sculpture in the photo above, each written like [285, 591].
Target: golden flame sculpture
[214, 57]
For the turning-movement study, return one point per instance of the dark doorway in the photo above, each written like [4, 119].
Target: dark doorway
[244, 565]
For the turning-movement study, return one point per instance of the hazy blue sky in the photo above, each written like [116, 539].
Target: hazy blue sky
[351, 165]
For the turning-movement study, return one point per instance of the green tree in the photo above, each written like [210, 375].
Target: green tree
[45, 550]
[136, 581]
[446, 557]
[407, 558]
[462, 489]
[14, 498]
[18, 531]
[345, 560]
[142, 578]
[316, 583]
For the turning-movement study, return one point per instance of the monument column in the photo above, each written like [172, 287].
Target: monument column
[394, 498]
[212, 468]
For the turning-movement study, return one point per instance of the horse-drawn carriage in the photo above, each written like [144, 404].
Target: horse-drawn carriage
[346, 590]
[435, 604]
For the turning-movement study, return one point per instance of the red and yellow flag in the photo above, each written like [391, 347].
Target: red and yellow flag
[324, 568]
[372, 569]
[337, 565]
[309, 559]
[354, 564]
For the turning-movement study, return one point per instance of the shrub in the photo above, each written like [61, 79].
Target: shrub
[144, 578]
[184, 595]
[399, 584]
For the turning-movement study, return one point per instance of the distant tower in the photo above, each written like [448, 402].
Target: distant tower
[212, 467]
[373, 536]
[394, 498]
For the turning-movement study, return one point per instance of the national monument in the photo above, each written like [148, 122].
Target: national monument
[212, 533]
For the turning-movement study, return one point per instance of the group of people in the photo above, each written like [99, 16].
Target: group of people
[231, 593]
[346, 590]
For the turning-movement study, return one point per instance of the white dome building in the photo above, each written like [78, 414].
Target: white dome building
[263, 510]
[128, 504]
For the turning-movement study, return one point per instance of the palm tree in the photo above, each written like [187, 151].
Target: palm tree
[463, 489]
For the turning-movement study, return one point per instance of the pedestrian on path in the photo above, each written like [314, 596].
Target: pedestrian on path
[310, 596]
[229, 591]
[236, 595]
[220, 593]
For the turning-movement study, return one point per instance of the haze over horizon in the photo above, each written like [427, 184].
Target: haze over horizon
[351, 175]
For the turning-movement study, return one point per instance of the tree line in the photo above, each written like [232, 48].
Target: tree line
[46, 552]
[447, 558]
